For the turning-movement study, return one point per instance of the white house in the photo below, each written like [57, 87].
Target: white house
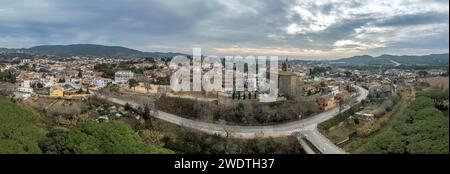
[25, 87]
[122, 77]
[334, 90]
[100, 83]
[365, 116]
[48, 81]
[75, 80]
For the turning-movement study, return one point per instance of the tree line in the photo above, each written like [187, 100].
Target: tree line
[421, 129]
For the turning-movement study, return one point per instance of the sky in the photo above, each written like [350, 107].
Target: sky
[303, 28]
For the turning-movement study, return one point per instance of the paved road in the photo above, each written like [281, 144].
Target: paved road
[396, 63]
[323, 144]
[307, 127]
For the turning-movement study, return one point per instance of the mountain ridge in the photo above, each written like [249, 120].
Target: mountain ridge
[89, 50]
[431, 59]
[123, 52]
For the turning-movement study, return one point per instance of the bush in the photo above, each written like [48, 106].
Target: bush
[367, 129]
[98, 138]
[192, 142]
[152, 137]
[389, 142]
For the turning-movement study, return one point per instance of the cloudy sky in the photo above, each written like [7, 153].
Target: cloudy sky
[307, 29]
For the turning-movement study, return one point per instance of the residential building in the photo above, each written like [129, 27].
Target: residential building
[326, 102]
[122, 77]
[100, 82]
[56, 91]
[25, 87]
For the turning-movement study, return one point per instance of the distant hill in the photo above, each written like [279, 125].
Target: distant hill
[85, 50]
[89, 50]
[433, 59]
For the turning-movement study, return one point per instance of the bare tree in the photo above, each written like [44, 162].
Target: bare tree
[6, 88]
[68, 111]
[225, 129]
[228, 134]
[147, 84]
[342, 102]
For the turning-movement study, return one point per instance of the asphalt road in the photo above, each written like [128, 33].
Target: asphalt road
[323, 144]
[307, 127]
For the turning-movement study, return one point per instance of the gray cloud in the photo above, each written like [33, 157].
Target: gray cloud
[286, 27]
[415, 19]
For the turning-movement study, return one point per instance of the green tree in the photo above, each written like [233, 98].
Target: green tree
[347, 73]
[128, 107]
[146, 113]
[421, 103]
[108, 138]
[55, 142]
[39, 85]
[107, 69]
[421, 129]
[389, 142]
[162, 80]
[80, 73]
[260, 146]
[8, 76]
[432, 93]
[132, 83]
[440, 98]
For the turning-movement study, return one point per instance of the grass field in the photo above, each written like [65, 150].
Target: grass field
[437, 82]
